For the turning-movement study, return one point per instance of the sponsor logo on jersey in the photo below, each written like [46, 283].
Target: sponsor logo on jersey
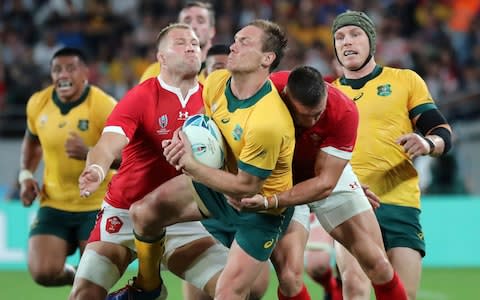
[182, 115]
[237, 132]
[82, 125]
[113, 224]
[225, 120]
[358, 97]
[384, 90]
[163, 123]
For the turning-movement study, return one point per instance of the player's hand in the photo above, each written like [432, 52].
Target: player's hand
[75, 147]
[371, 196]
[89, 181]
[254, 203]
[29, 190]
[414, 145]
[178, 151]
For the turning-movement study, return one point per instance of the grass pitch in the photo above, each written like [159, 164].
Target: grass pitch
[437, 284]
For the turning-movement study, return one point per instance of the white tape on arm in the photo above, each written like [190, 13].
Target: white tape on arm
[24, 175]
[99, 169]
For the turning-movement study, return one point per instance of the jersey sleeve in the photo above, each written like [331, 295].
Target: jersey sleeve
[342, 141]
[128, 113]
[260, 153]
[33, 107]
[419, 93]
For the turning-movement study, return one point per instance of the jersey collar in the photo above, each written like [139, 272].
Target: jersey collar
[234, 103]
[65, 107]
[177, 90]
[360, 82]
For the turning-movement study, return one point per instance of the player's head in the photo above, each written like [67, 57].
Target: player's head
[179, 50]
[354, 39]
[69, 73]
[260, 44]
[217, 57]
[306, 95]
[201, 17]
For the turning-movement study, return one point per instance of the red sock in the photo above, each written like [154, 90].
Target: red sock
[330, 285]
[303, 295]
[392, 290]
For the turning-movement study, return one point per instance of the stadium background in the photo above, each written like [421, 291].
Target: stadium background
[438, 39]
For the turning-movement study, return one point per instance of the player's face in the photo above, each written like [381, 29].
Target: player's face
[304, 116]
[246, 51]
[352, 46]
[181, 52]
[215, 62]
[198, 19]
[69, 76]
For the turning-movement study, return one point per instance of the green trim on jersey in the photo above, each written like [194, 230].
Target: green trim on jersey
[234, 103]
[32, 135]
[421, 109]
[259, 172]
[65, 107]
[360, 82]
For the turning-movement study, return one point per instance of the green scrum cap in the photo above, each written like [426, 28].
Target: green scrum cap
[360, 19]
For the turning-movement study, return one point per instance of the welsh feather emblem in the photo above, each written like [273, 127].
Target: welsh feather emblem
[384, 90]
[82, 125]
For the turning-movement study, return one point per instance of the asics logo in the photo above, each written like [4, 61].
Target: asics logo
[358, 97]
[268, 244]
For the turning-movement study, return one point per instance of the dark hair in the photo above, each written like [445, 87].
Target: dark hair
[202, 4]
[218, 49]
[274, 40]
[69, 51]
[306, 85]
[167, 29]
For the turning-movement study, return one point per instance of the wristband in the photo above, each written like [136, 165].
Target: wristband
[24, 175]
[275, 197]
[99, 170]
[431, 144]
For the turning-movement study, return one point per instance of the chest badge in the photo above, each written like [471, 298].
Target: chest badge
[384, 90]
[82, 125]
[163, 123]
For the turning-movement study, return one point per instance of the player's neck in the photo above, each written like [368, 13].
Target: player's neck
[245, 85]
[205, 49]
[185, 84]
[367, 69]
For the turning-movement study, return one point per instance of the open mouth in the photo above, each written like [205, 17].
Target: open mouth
[64, 85]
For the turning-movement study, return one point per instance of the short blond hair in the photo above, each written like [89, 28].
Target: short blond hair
[161, 35]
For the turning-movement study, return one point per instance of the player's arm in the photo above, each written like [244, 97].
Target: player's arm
[30, 156]
[99, 160]
[435, 136]
[179, 153]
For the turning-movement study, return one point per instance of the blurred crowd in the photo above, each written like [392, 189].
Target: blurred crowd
[439, 39]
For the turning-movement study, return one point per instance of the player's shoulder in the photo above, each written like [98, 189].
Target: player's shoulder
[40, 98]
[400, 74]
[217, 77]
[100, 95]
[279, 79]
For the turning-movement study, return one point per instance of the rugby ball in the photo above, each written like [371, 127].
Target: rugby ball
[206, 140]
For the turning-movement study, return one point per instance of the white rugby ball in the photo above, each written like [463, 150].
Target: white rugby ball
[206, 140]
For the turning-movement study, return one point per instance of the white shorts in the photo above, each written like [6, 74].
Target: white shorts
[115, 226]
[345, 201]
[302, 215]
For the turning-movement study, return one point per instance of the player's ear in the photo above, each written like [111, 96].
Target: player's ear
[160, 57]
[267, 59]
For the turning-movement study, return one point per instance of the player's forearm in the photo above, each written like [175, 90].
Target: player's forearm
[305, 192]
[31, 153]
[100, 155]
[227, 183]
